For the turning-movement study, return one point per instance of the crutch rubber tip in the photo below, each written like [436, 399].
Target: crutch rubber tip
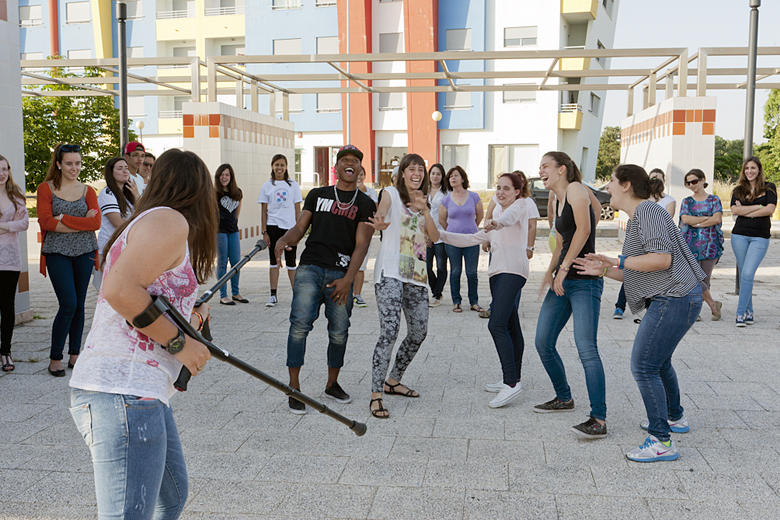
[359, 429]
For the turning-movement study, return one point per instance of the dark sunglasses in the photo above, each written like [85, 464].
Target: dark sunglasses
[70, 148]
[694, 182]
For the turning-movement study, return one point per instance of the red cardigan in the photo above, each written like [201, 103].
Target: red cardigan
[48, 223]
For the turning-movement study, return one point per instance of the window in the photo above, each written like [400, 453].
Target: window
[595, 103]
[608, 6]
[232, 50]
[77, 12]
[520, 36]
[79, 54]
[286, 4]
[459, 39]
[391, 101]
[135, 52]
[457, 100]
[600, 45]
[455, 155]
[297, 172]
[288, 46]
[330, 102]
[519, 96]
[328, 45]
[325, 3]
[31, 55]
[30, 15]
[134, 9]
[391, 42]
[135, 106]
[296, 102]
[510, 157]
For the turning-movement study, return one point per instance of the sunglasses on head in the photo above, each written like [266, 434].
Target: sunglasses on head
[70, 148]
[694, 182]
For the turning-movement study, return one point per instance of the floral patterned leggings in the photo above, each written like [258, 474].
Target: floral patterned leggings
[391, 297]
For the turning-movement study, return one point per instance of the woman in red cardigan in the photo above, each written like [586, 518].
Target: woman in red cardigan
[68, 214]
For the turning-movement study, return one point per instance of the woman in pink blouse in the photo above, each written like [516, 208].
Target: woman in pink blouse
[13, 219]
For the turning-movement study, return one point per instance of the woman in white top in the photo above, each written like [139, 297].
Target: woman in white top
[436, 279]
[357, 285]
[116, 202]
[508, 271]
[666, 201]
[400, 278]
[280, 200]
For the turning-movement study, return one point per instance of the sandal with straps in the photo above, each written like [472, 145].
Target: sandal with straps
[380, 410]
[8, 363]
[390, 390]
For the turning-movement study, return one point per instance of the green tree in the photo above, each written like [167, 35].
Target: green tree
[728, 158]
[772, 114]
[90, 121]
[609, 152]
[769, 152]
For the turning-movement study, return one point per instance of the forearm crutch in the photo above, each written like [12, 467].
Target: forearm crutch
[184, 325]
[206, 296]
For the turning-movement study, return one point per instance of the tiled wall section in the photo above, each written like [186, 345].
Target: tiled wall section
[672, 122]
[221, 133]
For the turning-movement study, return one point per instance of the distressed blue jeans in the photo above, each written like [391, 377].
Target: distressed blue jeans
[749, 252]
[228, 248]
[136, 455]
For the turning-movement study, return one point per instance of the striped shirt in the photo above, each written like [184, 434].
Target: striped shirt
[652, 230]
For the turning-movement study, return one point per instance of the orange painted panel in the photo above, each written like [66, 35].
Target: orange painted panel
[697, 116]
[188, 131]
[708, 128]
[689, 116]
[213, 131]
[708, 116]
[188, 119]
[213, 119]
[679, 129]
[679, 116]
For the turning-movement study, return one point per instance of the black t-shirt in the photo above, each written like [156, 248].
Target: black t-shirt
[566, 226]
[755, 226]
[228, 221]
[331, 241]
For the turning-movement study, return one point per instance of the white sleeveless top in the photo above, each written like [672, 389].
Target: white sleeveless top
[116, 358]
[402, 251]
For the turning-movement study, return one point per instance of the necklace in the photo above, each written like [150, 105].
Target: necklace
[342, 205]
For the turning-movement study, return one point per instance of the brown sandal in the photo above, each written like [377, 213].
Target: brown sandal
[476, 308]
[390, 390]
[456, 308]
[380, 410]
[8, 363]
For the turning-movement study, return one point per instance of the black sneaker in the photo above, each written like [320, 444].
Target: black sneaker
[337, 393]
[556, 405]
[590, 429]
[296, 407]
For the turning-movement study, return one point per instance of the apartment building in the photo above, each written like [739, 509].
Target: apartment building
[485, 132]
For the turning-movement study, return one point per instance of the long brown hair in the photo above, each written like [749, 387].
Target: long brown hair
[181, 181]
[13, 191]
[124, 197]
[232, 190]
[573, 173]
[525, 189]
[406, 161]
[54, 173]
[744, 192]
[286, 173]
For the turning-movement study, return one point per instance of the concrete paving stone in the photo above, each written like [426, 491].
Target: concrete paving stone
[714, 418]
[759, 440]
[739, 460]
[661, 507]
[252, 420]
[577, 507]
[472, 475]
[13, 510]
[325, 501]
[634, 482]
[489, 505]
[471, 428]
[249, 497]
[345, 444]
[229, 467]
[61, 458]
[376, 471]
[306, 469]
[13, 482]
[61, 487]
[531, 452]
[584, 452]
[23, 411]
[413, 504]
[727, 402]
[421, 448]
[759, 510]
[750, 389]
[760, 420]
[716, 487]
[541, 478]
[227, 441]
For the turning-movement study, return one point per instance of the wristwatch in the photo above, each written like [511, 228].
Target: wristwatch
[175, 345]
[530, 248]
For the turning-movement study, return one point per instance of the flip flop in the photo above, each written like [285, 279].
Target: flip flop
[457, 308]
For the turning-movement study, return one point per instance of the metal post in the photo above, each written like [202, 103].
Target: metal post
[121, 16]
[750, 104]
[349, 127]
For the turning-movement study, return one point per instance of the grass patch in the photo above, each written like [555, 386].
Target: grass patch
[722, 190]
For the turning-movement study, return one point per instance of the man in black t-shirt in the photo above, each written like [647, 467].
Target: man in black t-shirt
[338, 242]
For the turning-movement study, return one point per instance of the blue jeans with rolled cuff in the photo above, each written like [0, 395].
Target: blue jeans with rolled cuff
[228, 248]
[456, 256]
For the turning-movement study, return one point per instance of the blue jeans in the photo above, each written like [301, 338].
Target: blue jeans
[136, 454]
[70, 277]
[436, 279]
[228, 248]
[665, 323]
[504, 324]
[471, 256]
[749, 252]
[581, 298]
[309, 293]
[621, 301]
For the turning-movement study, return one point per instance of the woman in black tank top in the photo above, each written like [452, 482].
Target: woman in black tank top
[571, 293]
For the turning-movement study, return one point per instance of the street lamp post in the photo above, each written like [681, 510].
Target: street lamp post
[121, 17]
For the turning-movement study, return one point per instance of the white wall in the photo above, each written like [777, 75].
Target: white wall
[306, 144]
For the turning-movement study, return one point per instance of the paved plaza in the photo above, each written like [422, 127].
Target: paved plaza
[445, 455]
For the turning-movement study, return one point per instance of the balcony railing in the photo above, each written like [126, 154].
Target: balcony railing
[221, 11]
[170, 114]
[30, 22]
[180, 13]
[286, 4]
[570, 107]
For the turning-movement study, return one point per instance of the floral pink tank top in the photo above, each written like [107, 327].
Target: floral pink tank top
[116, 358]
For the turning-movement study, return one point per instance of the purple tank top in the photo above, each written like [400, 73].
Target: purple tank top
[462, 219]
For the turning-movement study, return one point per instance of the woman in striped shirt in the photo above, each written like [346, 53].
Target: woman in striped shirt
[661, 274]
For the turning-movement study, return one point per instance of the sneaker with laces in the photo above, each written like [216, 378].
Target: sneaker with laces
[434, 303]
[271, 301]
[741, 321]
[590, 429]
[679, 426]
[653, 450]
[555, 405]
[507, 394]
[296, 407]
[749, 318]
[493, 388]
[337, 393]
[359, 301]
[618, 314]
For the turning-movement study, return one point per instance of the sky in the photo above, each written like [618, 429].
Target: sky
[694, 24]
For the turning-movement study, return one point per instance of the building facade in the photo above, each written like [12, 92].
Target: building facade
[485, 132]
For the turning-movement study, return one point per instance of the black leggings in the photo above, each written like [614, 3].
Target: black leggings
[275, 233]
[8, 281]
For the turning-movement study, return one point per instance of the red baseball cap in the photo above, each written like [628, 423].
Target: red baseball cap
[133, 146]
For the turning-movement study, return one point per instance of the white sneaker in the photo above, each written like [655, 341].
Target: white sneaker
[653, 450]
[494, 388]
[506, 394]
[679, 426]
[272, 301]
[434, 303]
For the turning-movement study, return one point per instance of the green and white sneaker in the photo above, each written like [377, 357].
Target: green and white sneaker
[359, 301]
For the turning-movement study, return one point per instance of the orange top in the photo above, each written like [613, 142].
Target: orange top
[48, 223]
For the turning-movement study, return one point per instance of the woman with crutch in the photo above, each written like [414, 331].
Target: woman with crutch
[123, 381]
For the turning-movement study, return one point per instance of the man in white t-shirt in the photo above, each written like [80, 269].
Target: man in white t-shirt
[134, 155]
